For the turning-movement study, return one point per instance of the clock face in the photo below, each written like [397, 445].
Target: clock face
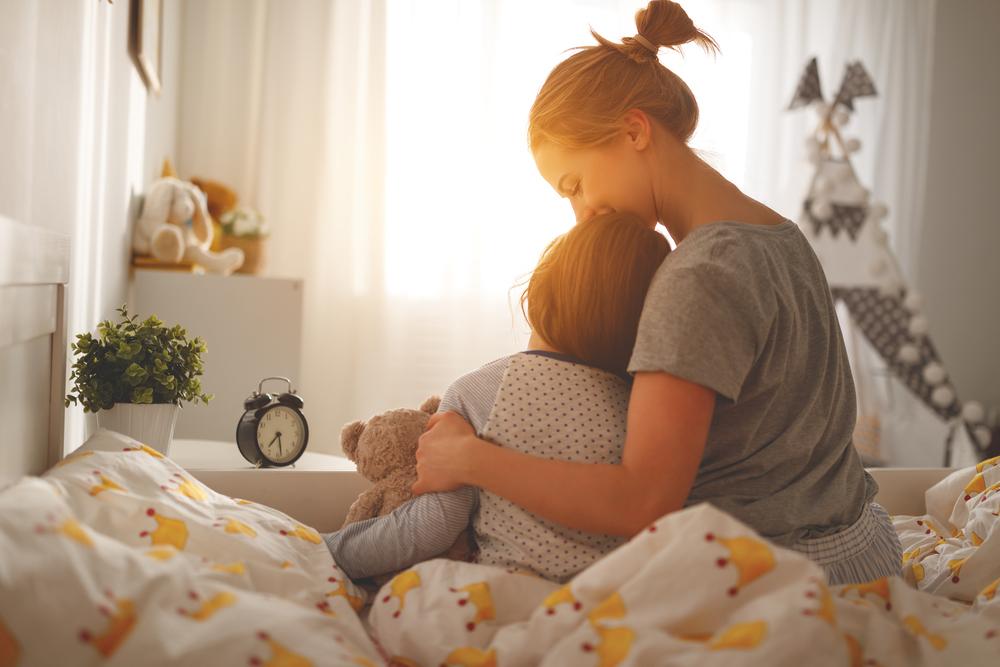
[281, 434]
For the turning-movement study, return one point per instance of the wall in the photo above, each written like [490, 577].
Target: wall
[959, 257]
[81, 139]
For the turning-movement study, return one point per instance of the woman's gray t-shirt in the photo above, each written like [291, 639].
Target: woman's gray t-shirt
[746, 311]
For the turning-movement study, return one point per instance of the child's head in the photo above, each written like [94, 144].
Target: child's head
[585, 296]
[584, 99]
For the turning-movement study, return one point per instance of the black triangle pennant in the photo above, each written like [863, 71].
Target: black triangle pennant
[809, 89]
[856, 84]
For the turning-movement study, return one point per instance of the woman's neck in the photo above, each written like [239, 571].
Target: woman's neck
[691, 193]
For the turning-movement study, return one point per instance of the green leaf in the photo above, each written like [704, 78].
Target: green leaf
[143, 395]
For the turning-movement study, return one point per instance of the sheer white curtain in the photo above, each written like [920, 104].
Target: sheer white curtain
[386, 142]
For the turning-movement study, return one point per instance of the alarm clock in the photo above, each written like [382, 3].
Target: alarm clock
[272, 431]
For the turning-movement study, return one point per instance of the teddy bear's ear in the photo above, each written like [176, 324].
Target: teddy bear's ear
[349, 437]
[430, 406]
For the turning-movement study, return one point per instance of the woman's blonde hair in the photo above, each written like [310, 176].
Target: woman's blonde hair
[585, 296]
[584, 99]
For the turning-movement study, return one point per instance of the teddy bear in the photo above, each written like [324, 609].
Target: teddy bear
[175, 226]
[384, 449]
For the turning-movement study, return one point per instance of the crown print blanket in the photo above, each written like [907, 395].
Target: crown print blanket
[118, 556]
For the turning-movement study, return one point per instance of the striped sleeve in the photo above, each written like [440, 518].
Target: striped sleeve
[427, 525]
[421, 528]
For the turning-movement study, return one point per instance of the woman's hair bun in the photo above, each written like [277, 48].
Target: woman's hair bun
[665, 23]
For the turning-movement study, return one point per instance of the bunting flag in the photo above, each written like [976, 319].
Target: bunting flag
[808, 90]
[884, 321]
[882, 309]
[856, 83]
[844, 218]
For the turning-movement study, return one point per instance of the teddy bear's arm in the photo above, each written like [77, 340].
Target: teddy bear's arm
[367, 505]
[397, 493]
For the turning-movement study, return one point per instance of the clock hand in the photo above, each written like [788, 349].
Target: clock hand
[280, 449]
[272, 441]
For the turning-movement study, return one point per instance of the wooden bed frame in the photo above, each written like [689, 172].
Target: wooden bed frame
[34, 274]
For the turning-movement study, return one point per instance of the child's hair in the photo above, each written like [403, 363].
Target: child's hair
[585, 296]
[584, 99]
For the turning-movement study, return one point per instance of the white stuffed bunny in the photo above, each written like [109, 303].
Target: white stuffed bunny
[174, 226]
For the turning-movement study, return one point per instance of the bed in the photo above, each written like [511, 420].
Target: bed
[115, 554]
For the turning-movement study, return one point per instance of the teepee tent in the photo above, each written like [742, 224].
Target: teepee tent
[844, 226]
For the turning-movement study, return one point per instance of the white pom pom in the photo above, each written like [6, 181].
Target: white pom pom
[878, 267]
[919, 325]
[840, 117]
[908, 354]
[822, 208]
[983, 435]
[852, 145]
[914, 301]
[889, 289]
[879, 236]
[943, 397]
[934, 373]
[973, 412]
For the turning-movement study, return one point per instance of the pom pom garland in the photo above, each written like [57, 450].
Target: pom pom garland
[973, 412]
[943, 396]
[878, 210]
[914, 302]
[908, 354]
[934, 373]
[919, 325]
[822, 208]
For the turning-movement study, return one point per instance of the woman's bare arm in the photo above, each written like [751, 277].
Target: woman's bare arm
[668, 421]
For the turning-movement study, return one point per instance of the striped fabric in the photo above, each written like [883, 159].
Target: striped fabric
[418, 530]
[866, 550]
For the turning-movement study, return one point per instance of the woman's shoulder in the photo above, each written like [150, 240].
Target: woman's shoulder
[733, 256]
[728, 241]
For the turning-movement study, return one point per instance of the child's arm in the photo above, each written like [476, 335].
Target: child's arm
[426, 526]
[668, 421]
[421, 528]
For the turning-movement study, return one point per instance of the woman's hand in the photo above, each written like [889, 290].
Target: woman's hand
[445, 453]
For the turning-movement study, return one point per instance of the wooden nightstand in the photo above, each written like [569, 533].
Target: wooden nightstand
[317, 490]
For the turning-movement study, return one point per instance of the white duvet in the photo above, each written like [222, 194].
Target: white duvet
[118, 556]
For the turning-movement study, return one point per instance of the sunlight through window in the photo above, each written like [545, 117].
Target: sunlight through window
[467, 213]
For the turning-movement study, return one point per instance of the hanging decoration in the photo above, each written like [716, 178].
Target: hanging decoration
[844, 226]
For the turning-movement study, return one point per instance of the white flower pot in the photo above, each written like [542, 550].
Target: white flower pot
[150, 424]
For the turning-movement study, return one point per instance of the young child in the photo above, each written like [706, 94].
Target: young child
[583, 302]
[742, 393]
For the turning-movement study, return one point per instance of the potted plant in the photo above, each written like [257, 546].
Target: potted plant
[136, 375]
[246, 229]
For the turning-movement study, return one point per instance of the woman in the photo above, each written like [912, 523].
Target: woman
[743, 396]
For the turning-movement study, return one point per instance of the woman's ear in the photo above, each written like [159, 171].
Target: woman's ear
[638, 128]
